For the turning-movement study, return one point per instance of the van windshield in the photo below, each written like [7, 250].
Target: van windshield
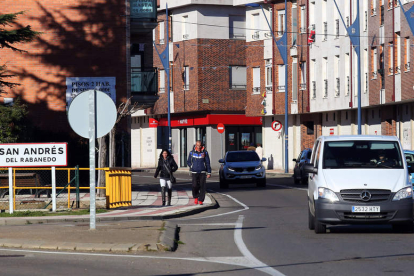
[362, 154]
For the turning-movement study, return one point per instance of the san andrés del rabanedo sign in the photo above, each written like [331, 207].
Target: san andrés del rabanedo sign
[33, 155]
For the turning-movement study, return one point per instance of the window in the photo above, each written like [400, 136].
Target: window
[281, 73]
[186, 78]
[348, 80]
[281, 22]
[237, 27]
[407, 54]
[256, 26]
[162, 81]
[325, 77]
[162, 40]
[303, 19]
[337, 79]
[269, 76]
[294, 23]
[374, 60]
[256, 80]
[390, 58]
[303, 76]
[373, 7]
[398, 59]
[185, 28]
[238, 77]
[382, 11]
[295, 80]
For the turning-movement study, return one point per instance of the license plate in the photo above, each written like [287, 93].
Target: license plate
[244, 177]
[366, 209]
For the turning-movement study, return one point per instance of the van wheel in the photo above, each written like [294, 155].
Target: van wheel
[403, 228]
[319, 227]
[311, 220]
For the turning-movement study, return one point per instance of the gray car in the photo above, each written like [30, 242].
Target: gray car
[242, 167]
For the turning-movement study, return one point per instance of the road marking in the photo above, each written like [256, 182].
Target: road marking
[186, 179]
[245, 207]
[289, 187]
[248, 260]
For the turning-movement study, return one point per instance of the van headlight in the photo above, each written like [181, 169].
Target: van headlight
[403, 194]
[327, 194]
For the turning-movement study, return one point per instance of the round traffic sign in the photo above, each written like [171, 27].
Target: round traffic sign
[276, 125]
[105, 114]
[220, 128]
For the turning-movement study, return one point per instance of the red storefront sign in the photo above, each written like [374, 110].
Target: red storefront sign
[212, 119]
[153, 122]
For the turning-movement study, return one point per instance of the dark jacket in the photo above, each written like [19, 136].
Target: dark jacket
[199, 161]
[170, 162]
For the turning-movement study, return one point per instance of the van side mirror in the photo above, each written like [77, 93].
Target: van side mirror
[264, 159]
[221, 161]
[309, 168]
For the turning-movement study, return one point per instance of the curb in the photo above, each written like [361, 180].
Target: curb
[26, 220]
[169, 236]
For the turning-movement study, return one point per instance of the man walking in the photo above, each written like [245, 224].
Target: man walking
[199, 163]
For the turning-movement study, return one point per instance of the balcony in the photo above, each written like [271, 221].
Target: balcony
[143, 19]
[144, 86]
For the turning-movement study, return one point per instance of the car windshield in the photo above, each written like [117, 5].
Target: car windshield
[362, 154]
[242, 156]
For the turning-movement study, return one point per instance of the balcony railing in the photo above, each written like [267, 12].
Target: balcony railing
[397, 69]
[302, 86]
[338, 87]
[238, 36]
[186, 36]
[302, 30]
[325, 31]
[236, 86]
[256, 89]
[348, 85]
[269, 88]
[281, 88]
[325, 94]
[268, 34]
[407, 66]
[374, 11]
[374, 75]
[162, 40]
[144, 80]
[186, 87]
[256, 35]
[313, 89]
[391, 70]
[336, 28]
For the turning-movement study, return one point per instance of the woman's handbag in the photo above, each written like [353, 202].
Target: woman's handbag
[172, 178]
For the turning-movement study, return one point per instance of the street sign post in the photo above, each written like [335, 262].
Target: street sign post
[100, 109]
[220, 129]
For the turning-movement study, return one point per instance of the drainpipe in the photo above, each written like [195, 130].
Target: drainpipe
[393, 53]
[307, 57]
[351, 54]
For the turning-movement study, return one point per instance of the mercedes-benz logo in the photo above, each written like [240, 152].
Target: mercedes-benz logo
[365, 195]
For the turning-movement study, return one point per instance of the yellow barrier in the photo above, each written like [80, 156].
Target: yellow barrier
[118, 187]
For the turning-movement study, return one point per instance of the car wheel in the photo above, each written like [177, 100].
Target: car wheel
[223, 184]
[403, 228]
[311, 220]
[261, 183]
[320, 228]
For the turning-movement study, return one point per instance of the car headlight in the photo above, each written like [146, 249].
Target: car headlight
[230, 169]
[327, 194]
[404, 193]
[258, 167]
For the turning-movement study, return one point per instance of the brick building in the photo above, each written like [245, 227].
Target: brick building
[80, 39]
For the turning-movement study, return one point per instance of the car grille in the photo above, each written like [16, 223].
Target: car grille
[248, 169]
[367, 216]
[355, 195]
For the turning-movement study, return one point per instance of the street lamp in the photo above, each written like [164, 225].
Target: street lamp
[282, 42]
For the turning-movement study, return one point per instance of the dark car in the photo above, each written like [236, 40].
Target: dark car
[299, 175]
[242, 167]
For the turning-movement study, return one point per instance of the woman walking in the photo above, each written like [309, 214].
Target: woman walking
[166, 167]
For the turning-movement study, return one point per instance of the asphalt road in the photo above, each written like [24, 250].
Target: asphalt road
[256, 231]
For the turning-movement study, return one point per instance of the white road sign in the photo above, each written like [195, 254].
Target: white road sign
[33, 155]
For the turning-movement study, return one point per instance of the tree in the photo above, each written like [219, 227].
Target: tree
[11, 34]
[11, 122]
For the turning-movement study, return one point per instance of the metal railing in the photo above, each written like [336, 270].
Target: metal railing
[397, 69]
[144, 80]
[338, 87]
[256, 35]
[268, 34]
[325, 94]
[162, 40]
[336, 28]
[238, 86]
[407, 66]
[313, 89]
[238, 36]
[374, 11]
[325, 31]
[186, 87]
[32, 188]
[302, 86]
[186, 36]
[269, 88]
[348, 85]
[256, 89]
[374, 75]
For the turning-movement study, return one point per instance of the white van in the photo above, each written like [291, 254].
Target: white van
[359, 179]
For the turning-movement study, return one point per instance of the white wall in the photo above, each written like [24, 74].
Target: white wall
[329, 49]
[264, 27]
[144, 153]
[182, 3]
